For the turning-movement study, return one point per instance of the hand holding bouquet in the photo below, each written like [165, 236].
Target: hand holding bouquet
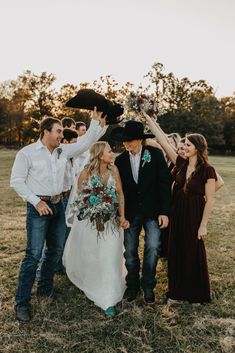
[97, 202]
[142, 103]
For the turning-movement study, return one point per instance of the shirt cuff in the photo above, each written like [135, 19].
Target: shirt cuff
[33, 199]
[94, 123]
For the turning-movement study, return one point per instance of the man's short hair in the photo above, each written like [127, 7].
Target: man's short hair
[47, 124]
[69, 134]
[68, 122]
[79, 123]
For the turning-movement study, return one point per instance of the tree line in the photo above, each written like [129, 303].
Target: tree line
[187, 106]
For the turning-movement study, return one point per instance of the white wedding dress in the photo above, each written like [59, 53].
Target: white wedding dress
[96, 264]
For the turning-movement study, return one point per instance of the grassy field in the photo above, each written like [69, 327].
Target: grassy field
[73, 324]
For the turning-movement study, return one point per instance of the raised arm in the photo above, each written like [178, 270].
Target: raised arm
[93, 134]
[161, 138]
[153, 142]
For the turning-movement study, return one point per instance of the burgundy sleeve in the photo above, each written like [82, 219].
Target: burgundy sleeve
[210, 173]
[179, 162]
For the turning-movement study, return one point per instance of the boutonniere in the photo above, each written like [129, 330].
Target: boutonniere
[59, 151]
[146, 157]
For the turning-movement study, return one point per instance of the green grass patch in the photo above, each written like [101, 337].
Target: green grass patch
[74, 324]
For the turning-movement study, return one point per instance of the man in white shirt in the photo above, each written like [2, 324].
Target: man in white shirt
[38, 177]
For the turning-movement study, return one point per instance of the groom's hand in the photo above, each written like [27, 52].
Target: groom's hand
[124, 223]
[163, 221]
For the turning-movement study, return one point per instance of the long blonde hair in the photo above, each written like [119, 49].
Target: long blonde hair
[96, 151]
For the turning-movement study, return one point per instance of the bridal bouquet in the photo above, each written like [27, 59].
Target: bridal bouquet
[142, 103]
[97, 202]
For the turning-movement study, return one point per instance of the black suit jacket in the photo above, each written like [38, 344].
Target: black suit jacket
[151, 196]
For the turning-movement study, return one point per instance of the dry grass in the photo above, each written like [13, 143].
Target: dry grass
[74, 324]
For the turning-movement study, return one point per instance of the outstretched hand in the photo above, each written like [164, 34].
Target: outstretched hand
[102, 121]
[147, 119]
[96, 115]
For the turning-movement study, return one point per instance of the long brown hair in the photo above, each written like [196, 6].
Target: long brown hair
[201, 146]
[96, 151]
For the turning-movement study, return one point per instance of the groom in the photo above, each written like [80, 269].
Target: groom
[146, 185]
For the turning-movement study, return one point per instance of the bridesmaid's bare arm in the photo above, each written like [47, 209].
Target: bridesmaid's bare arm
[161, 138]
[219, 182]
[209, 196]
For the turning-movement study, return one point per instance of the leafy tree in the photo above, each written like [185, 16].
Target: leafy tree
[41, 95]
[229, 125]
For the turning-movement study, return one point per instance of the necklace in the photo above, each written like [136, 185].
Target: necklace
[189, 172]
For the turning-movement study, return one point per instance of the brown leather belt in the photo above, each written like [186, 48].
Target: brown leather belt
[66, 193]
[54, 199]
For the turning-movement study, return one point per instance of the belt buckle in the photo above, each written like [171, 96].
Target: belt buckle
[55, 199]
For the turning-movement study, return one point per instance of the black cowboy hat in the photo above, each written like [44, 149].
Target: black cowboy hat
[88, 99]
[133, 130]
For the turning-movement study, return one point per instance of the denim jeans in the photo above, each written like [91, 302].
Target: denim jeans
[152, 248]
[60, 267]
[48, 229]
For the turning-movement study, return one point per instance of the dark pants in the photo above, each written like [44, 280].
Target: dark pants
[41, 229]
[152, 248]
[60, 267]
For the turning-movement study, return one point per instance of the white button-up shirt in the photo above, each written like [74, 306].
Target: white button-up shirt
[81, 161]
[37, 171]
[69, 176]
[135, 164]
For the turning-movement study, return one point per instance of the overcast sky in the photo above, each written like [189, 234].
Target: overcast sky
[80, 40]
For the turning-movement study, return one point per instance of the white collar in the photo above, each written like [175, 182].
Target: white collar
[39, 144]
[137, 154]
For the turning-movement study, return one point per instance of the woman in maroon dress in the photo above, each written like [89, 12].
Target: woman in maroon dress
[193, 196]
[193, 193]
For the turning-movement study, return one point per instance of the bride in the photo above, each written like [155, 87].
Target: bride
[95, 264]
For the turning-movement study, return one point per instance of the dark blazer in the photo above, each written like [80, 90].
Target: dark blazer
[151, 196]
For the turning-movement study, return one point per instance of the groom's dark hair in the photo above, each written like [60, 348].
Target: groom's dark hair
[47, 124]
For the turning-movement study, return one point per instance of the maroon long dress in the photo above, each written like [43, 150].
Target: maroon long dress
[188, 277]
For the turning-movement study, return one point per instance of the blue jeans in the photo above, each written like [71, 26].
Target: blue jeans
[41, 229]
[60, 267]
[152, 248]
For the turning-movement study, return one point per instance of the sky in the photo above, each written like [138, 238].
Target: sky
[80, 40]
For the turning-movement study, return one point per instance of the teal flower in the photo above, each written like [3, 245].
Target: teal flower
[112, 193]
[95, 181]
[146, 157]
[93, 200]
